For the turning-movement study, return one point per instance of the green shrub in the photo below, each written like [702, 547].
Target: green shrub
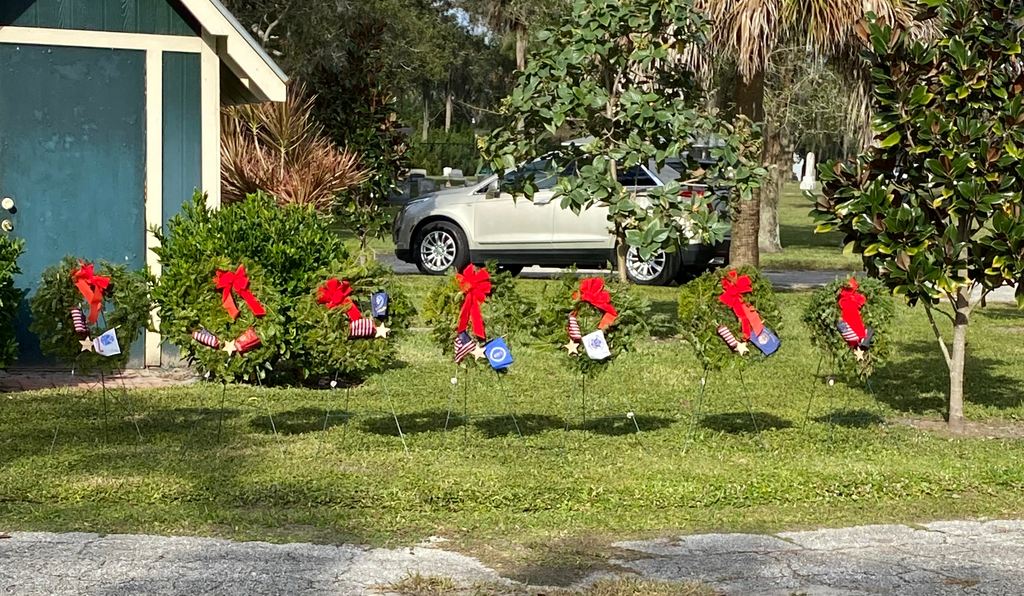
[324, 343]
[823, 312]
[629, 326]
[10, 297]
[289, 252]
[701, 313]
[126, 309]
[505, 312]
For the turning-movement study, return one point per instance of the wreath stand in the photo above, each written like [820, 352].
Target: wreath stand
[462, 378]
[105, 393]
[350, 415]
[830, 381]
[698, 410]
[581, 384]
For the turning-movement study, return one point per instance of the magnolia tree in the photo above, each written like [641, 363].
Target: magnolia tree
[610, 73]
[935, 206]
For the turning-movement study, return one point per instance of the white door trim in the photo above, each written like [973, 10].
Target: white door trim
[100, 39]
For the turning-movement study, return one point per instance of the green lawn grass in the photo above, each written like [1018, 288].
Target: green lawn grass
[542, 500]
[802, 249]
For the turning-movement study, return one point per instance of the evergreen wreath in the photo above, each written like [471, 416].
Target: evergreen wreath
[563, 299]
[201, 306]
[824, 312]
[327, 348]
[506, 313]
[123, 305]
[701, 313]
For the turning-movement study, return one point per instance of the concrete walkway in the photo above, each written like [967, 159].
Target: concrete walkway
[935, 559]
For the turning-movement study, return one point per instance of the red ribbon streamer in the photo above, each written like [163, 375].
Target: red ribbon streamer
[476, 285]
[238, 282]
[592, 291]
[735, 286]
[336, 293]
[91, 286]
[850, 302]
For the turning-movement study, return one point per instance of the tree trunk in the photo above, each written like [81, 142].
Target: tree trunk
[957, 359]
[426, 117]
[521, 37]
[746, 220]
[620, 252]
[448, 113]
[780, 163]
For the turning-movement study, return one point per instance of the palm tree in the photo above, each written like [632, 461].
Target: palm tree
[747, 32]
[514, 17]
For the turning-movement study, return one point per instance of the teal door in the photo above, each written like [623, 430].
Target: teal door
[72, 158]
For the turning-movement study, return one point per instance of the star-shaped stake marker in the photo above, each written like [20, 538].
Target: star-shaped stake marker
[742, 349]
[572, 346]
[382, 331]
[86, 345]
[230, 347]
[859, 353]
[479, 352]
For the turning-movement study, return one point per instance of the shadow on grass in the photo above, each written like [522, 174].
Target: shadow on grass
[412, 423]
[851, 418]
[920, 384]
[300, 421]
[663, 318]
[616, 426]
[529, 424]
[741, 422]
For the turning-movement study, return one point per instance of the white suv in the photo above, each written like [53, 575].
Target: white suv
[482, 222]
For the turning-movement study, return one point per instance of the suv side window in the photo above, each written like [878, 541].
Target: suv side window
[543, 177]
[634, 176]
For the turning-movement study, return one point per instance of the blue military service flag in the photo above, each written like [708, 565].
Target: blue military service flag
[767, 341]
[379, 305]
[498, 354]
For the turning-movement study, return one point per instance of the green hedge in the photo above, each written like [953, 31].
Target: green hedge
[10, 297]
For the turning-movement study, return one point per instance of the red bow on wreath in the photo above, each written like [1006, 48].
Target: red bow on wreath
[592, 291]
[238, 282]
[336, 293]
[735, 286]
[91, 286]
[850, 302]
[476, 285]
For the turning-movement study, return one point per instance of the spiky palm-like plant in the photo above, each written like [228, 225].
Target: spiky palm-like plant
[747, 32]
[280, 149]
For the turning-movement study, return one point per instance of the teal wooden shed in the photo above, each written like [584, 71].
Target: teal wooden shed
[110, 119]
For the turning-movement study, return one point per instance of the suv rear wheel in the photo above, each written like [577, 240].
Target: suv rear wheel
[439, 246]
[659, 270]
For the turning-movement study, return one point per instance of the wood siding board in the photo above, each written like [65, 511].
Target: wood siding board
[182, 130]
[157, 17]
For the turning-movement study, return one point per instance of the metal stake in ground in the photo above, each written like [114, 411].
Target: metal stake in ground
[128, 399]
[508, 402]
[394, 414]
[697, 411]
[750, 410]
[266, 405]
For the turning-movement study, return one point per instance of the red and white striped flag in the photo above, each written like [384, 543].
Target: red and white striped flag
[848, 333]
[206, 338]
[361, 328]
[78, 320]
[729, 338]
[574, 329]
[464, 344]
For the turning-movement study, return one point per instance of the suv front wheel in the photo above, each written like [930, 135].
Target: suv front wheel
[659, 270]
[439, 246]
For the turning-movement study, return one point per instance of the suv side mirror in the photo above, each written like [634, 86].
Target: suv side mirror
[493, 189]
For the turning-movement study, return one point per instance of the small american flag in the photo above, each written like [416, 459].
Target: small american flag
[848, 333]
[729, 338]
[464, 344]
[574, 329]
[78, 320]
[206, 338]
[361, 328]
